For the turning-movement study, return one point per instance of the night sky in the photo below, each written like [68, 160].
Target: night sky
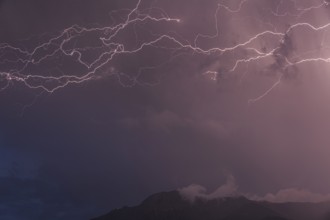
[104, 102]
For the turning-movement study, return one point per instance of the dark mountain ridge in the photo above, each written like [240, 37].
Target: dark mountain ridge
[172, 206]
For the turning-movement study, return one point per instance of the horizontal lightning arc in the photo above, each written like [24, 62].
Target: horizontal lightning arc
[110, 48]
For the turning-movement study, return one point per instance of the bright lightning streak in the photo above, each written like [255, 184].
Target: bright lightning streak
[20, 69]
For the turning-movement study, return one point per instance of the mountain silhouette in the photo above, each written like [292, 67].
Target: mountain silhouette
[172, 206]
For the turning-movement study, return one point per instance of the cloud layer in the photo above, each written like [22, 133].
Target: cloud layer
[108, 145]
[231, 189]
[195, 191]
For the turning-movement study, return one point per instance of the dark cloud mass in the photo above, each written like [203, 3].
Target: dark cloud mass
[253, 119]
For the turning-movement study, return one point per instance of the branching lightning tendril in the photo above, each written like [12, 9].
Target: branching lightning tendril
[20, 65]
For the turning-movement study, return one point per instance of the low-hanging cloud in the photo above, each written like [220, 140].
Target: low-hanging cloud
[231, 189]
[292, 195]
[195, 191]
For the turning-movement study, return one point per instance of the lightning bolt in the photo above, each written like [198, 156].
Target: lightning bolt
[99, 59]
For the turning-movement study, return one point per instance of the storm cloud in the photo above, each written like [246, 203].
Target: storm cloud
[109, 142]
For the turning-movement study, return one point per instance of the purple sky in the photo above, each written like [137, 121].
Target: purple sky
[124, 99]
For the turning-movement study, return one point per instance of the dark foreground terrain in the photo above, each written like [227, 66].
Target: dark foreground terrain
[171, 206]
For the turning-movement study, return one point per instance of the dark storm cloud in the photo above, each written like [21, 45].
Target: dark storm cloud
[104, 145]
